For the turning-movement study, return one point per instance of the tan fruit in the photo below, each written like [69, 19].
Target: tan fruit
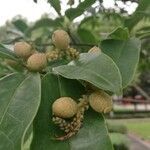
[61, 39]
[23, 49]
[37, 62]
[94, 49]
[101, 102]
[64, 107]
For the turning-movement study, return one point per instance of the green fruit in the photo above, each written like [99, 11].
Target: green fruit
[23, 49]
[37, 62]
[101, 102]
[61, 39]
[64, 107]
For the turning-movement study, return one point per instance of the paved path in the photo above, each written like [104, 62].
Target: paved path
[137, 144]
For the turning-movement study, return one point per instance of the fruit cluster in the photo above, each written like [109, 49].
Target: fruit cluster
[37, 61]
[68, 115]
[66, 107]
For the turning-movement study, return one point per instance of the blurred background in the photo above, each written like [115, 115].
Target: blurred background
[91, 21]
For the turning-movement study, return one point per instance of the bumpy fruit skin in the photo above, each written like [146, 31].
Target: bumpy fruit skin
[23, 49]
[61, 39]
[94, 49]
[64, 107]
[37, 62]
[101, 102]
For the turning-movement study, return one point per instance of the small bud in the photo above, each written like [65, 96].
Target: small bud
[57, 119]
[61, 125]
[67, 130]
[72, 53]
[52, 55]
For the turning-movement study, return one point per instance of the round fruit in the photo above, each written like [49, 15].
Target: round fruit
[101, 102]
[37, 62]
[94, 49]
[64, 107]
[61, 39]
[23, 49]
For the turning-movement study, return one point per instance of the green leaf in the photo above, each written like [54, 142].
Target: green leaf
[125, 54]
[93, 135]
[97, 69]
[56, 5]
[88, 19]
[6, 53]
[20, 25]
[19, 101]
[119, 34]
[45, 23]
[86, 36]
[143, 33]
[141, 12]
[72, 13]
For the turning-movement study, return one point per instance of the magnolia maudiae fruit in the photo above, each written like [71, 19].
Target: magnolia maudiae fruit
[37, 62]
[64, 107]
[94, 49]
[61, 39]
[23, 49]
[101, 102]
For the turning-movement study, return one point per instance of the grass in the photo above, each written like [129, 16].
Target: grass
[140, 127]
